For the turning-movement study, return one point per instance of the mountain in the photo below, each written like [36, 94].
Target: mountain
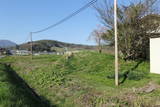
[7, 44]
[53, 45]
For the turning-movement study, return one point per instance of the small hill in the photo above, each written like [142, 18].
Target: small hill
[50, 45]
[84, 80]
[7, 44]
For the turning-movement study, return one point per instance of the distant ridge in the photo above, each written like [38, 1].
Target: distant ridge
[47, 44]
[7, 44]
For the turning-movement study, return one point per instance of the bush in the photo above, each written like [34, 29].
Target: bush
[131, 75]
[136, 75]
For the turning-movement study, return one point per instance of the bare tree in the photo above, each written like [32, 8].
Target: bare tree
[97, 36]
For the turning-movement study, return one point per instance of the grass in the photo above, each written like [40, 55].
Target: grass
[86, 80]
[14, 92]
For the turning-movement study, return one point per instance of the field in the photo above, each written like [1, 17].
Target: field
[84, 80]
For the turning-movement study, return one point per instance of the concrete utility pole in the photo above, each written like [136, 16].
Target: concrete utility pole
[116, 43]
[31, 45]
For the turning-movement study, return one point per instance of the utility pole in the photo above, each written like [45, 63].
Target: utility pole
[31, 45]
[116, 43]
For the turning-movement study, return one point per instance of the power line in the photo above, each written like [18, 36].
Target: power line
[68, 17]
[60, 22]
[27, 38]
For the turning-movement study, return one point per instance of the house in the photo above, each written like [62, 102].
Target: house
[22, 52]
[4, 51]
[155, 55]
[155, 46]
[153, 23]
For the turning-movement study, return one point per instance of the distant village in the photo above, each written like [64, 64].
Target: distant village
[8, 52]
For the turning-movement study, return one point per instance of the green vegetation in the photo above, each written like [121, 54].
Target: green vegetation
[14, 92]
[137, 22]
[86, 80]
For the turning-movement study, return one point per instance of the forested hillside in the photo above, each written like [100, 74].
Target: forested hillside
[52, 45]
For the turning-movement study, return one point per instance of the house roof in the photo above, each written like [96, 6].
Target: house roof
[150, 20]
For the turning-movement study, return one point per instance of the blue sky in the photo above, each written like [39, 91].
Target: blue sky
[19, 17]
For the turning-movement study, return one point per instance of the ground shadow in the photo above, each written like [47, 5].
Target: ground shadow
[125, 74]
[22, 91]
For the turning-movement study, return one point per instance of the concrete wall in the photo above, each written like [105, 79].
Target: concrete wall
[155, 55]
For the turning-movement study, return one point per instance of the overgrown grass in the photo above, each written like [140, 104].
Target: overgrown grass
[14, 92]
[86, 80]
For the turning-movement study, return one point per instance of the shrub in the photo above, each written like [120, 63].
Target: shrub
[137, 75]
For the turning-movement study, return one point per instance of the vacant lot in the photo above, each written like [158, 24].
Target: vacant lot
[84, 80]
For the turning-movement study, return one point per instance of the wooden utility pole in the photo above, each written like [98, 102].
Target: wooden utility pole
[116, 43]
[31, 45]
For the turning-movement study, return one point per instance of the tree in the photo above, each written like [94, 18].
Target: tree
[135, 24]
[97, 36]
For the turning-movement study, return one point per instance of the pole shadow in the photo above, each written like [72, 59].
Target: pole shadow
[125, 74]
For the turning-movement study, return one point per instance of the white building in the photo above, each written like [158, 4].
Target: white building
[155, 52]
[155, 55]
[22, 52]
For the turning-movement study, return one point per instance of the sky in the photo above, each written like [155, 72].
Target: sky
[19, 17]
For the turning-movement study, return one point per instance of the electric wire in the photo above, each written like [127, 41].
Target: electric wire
[68, 17]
